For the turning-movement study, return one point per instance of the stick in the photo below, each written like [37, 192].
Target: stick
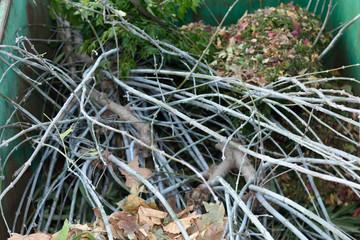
[338, 35]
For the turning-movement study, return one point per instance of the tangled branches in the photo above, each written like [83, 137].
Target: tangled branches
[99, 120]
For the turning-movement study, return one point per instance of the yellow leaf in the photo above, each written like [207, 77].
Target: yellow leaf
[292, 15]
[93, 152]
[152, 236]
[64, 134]
[121, 13]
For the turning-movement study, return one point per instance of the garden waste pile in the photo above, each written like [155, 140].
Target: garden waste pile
[153, 131]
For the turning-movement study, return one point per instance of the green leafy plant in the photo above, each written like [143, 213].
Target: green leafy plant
[156, 18]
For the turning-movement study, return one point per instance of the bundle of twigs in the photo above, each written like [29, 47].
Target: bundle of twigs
[100, 121]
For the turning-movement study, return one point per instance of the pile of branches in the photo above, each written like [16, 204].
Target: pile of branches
[107, 129]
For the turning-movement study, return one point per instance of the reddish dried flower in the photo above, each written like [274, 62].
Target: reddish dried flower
[239, 38]
[271, 34]
[297, 31]
[307, 41]
[290, 4]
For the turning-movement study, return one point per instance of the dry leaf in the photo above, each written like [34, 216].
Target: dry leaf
[100, 220]
[82, 227]
[114, 232]
[183, 213]
[261, 81]
[292, 15]
[212, 224]
[152, 236]
[152, 212]
[215, 215]
[132, 204]
[136, 189]
[218, 44]
[124, 221]
[134, 164]
[150, 216]
[54, 236]
[194, 235]
[34, 236]
[243, 16]
[214, 232]
[186, 222]
[283, 39]
[222, 32]
[146, 220]
[232, 42]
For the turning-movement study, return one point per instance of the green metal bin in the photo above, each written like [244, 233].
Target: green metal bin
[17, 18]
[30, 18]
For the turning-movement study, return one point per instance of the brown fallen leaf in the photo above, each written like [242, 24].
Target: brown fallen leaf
[186, 222]
[34, 236]
[133, 203]
[183, 213]
[194, 235]
[114, 232]
[124, 221]
[134, 164]
[261, 81]
[150, 216]
[82, 227]
[100, 222]
[232, 42]
[215, 233]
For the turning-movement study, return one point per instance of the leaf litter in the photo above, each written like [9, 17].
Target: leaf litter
[268, 43]
[144, 221]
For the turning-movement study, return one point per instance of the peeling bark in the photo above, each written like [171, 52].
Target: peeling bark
[126, 115]
[234, 159]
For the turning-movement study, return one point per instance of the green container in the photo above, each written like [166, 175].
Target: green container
[21, 17]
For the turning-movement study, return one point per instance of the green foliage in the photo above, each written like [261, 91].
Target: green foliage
[85, 234]
[88, 17]
[62, 235]
[343, 218]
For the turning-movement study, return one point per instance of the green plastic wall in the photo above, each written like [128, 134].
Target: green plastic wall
[17, 18]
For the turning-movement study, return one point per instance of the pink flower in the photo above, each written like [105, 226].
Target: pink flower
[271, 34]
[296, 32]
[307, 41]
